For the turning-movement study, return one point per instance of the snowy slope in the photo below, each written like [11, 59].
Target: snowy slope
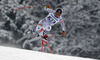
[81, 17]
[7, 53]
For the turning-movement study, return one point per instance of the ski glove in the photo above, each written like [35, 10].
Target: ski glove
[63, 33]
[48, 6]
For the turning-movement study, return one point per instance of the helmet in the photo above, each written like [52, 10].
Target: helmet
[59, 11]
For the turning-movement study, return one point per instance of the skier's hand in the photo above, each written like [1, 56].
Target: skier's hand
[48, 6]
[63, 33]
[11, 11]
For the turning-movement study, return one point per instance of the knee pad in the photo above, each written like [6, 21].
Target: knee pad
[48, 28]
[38, 28]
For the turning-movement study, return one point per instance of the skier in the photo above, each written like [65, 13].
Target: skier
[45, 24]
[51, 19]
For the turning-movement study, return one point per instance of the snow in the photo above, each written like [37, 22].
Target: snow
[9, 53]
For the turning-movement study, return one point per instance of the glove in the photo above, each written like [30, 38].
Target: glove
[63, 33]
[48, 6]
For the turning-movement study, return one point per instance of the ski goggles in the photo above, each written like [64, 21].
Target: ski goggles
[57, 14]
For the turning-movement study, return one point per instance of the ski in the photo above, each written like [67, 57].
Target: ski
[27, 36]
[29, 41]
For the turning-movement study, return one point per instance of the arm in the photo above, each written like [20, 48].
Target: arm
[62, 24]
[63, 27]
[47, 8]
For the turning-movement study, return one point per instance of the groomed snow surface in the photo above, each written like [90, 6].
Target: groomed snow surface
[8, 53]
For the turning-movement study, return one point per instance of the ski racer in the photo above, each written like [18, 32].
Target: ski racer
[51, 19]
[45, 24]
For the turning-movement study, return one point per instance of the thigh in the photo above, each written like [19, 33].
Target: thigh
[40, 25]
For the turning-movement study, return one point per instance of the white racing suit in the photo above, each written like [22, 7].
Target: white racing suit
[44, 25]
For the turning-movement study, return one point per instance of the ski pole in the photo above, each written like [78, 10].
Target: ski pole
[22, 8]
[49, 47]
[42, 45]
[54, 35]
